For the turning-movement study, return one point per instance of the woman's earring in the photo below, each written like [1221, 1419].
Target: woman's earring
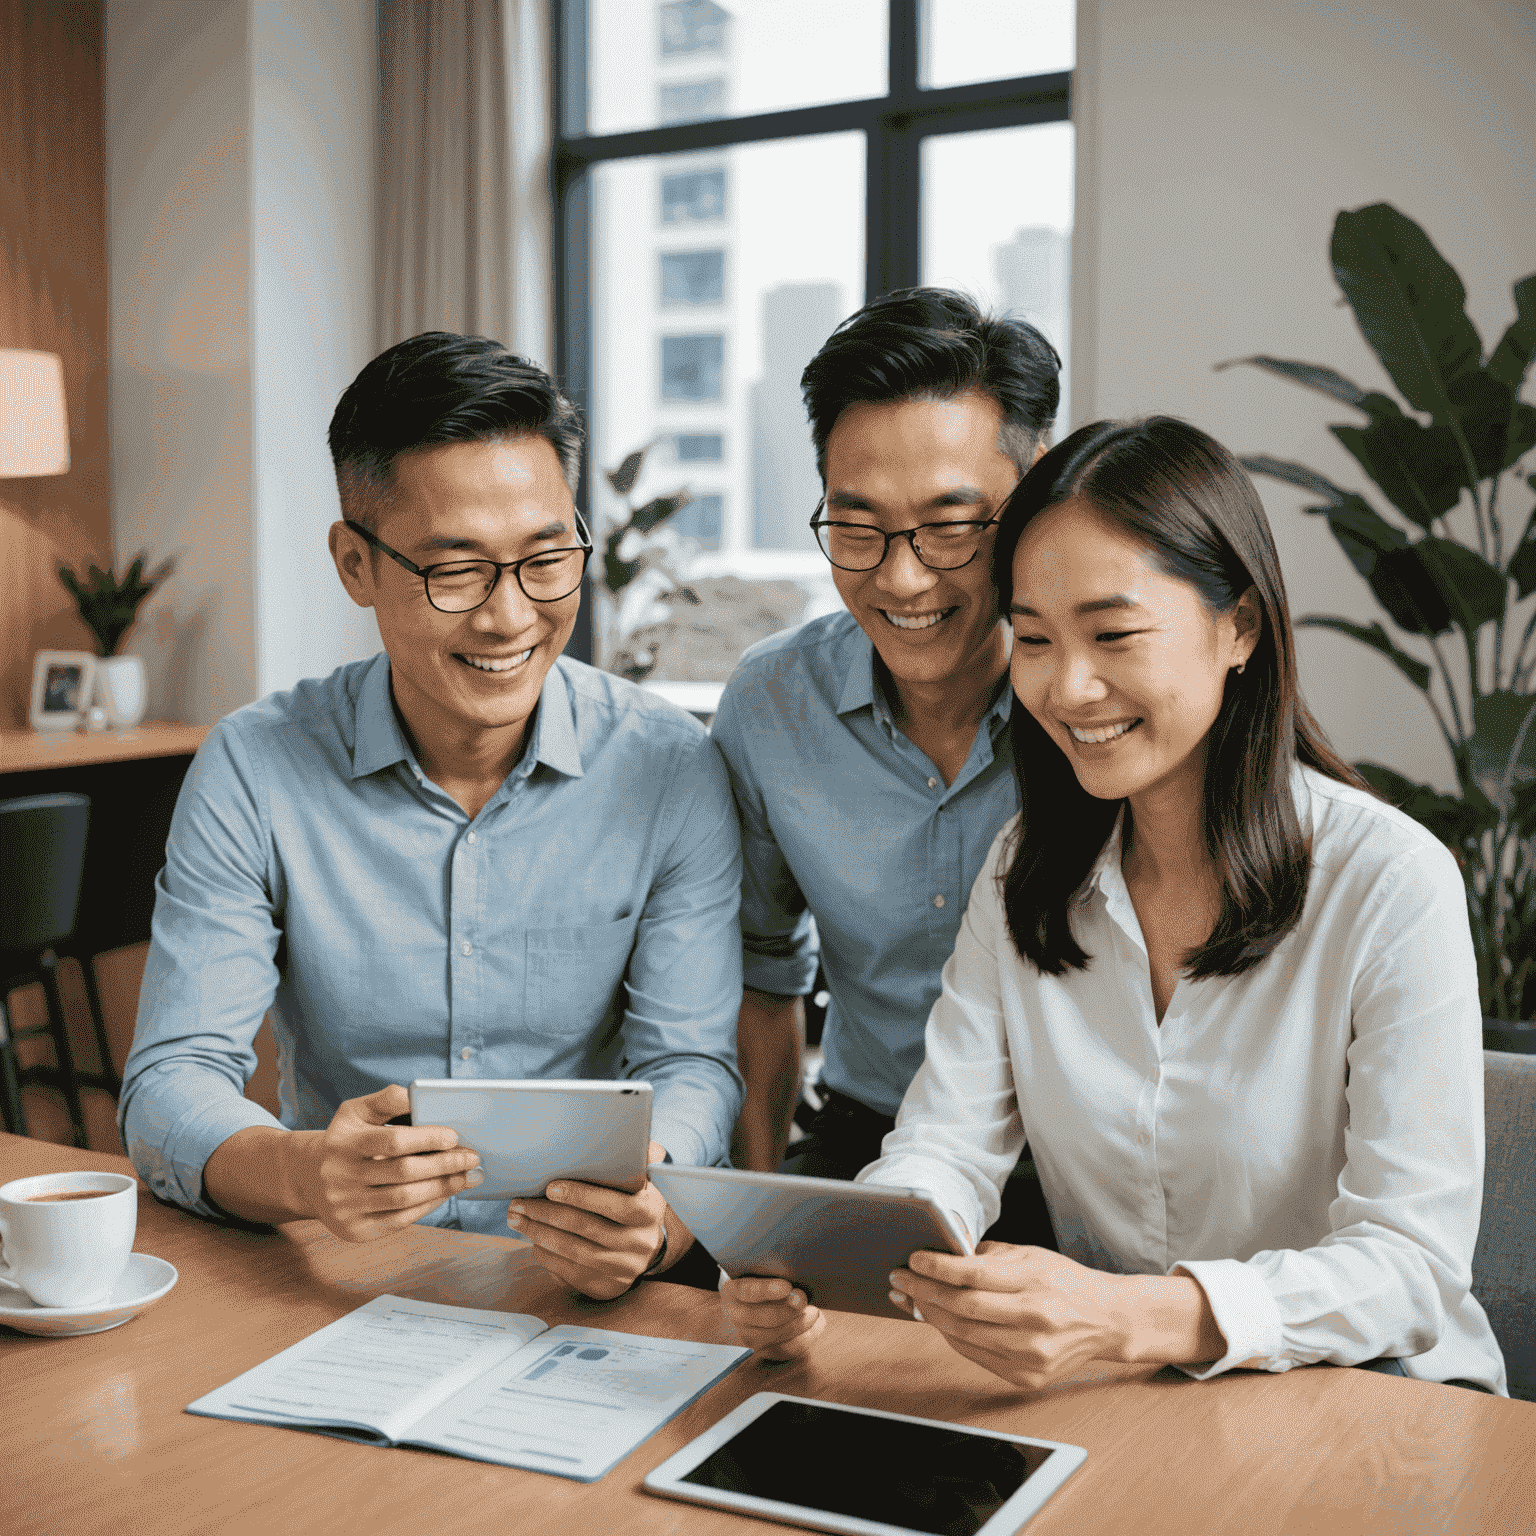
[1240, 667]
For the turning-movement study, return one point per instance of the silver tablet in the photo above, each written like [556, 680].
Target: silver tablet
[865, 1471]
[837, 1241]
[529, 1132]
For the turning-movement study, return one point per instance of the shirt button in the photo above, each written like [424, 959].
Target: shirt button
[466, 948]
[470, 838]
[933, 783]
[1144, 1137]
[465, 1054]
[938, 901]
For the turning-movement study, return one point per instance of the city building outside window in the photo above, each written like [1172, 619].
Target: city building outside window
[770, 165]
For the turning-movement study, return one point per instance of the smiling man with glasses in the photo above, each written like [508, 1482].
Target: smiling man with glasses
[468, 857]
[867, 749]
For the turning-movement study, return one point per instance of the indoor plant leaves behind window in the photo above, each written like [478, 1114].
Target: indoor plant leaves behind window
[1452, 582]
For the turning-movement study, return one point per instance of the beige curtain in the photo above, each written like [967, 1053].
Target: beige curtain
[464, 132]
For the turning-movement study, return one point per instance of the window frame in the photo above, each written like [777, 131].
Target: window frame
[894, 126]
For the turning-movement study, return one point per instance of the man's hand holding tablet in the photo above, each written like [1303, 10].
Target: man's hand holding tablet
[600, 1241]
[362, 1177]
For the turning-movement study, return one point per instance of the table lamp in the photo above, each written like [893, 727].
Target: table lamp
[34, 432]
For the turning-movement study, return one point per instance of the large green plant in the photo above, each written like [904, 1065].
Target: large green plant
[1444, 569]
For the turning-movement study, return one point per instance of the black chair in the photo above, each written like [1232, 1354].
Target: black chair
[42, 852]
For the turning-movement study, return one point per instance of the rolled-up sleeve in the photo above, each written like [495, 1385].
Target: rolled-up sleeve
[778, 934]
[208, 981]
[684, 975]
[1395, 1264]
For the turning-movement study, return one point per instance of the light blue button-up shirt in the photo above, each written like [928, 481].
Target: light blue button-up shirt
[844, 821]
[583, 925]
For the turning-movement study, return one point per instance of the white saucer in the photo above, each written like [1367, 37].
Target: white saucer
[143, 1281]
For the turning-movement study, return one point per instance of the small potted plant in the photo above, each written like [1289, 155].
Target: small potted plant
[109, 608]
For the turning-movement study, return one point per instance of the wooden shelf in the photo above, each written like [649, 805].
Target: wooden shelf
[25, 751]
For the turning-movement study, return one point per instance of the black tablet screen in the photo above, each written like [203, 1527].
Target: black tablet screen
[947, 1481]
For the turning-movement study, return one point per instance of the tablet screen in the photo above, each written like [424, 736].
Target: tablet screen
[946, 1481]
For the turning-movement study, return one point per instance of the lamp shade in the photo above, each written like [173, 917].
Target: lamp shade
[34, 432]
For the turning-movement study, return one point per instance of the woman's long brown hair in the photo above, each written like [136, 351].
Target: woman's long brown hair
[1191, 503]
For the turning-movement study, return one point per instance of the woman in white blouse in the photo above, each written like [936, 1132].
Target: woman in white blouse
[1227, 995]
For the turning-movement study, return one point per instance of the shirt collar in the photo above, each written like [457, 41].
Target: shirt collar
[380, 743]
[861, 687]
[859, 684]
[554, 730]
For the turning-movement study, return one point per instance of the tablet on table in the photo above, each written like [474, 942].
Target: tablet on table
[529, 1131]
[864, 1471]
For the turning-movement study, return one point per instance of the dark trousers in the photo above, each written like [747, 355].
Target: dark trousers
[846, 1135]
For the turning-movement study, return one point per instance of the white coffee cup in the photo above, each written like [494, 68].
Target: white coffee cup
[65, 1237]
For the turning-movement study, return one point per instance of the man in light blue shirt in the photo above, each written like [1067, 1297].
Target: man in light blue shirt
[469, 857]
[868, 750]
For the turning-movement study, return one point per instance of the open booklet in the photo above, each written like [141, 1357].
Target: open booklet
[493, 1386]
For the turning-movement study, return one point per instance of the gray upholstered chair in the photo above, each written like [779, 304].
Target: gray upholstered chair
[1504, 1265]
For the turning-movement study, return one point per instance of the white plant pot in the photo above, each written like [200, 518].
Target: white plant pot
[122, 689]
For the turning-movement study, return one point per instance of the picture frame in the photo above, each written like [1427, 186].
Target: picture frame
[63, 684]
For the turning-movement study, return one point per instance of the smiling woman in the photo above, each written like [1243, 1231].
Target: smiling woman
[1153, 651]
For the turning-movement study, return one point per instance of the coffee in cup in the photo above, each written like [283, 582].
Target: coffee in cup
[65, 1237]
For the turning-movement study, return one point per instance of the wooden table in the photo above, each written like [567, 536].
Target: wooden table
[93, 1437]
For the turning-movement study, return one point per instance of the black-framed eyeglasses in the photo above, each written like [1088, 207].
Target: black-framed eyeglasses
[861, 547]
[461, 586]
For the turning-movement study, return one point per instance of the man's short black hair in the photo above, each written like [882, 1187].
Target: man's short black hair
[441, 388]
[934, 344]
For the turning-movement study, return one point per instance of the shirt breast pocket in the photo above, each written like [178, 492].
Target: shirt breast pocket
[573, 980]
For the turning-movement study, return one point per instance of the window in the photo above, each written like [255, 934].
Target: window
[692, 26]
[699, 447]
[692, 277]
[692, 367]
[687, 101]
[823, 155]
[700, 520]
[689, 197]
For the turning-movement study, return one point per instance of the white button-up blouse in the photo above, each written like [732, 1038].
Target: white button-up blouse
[1305, 1140]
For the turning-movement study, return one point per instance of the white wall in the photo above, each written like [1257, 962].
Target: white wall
[240, 173]
[315, 91]
[1217, 142]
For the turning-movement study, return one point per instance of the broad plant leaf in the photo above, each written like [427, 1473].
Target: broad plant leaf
[1516, 350]
[1418, 469]
[656, 511]
[1293, 474]
[1522, 564]
[1454, 820]
[1503, 744]
[1363, 534]
[1474, 592]
[1377, 638]
[1409, 303]
[617, 573]
[1313, 375]
[1498, 428]
[623, 478]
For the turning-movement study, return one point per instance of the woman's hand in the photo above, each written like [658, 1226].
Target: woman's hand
[1026, 1314]
[772, 1317]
